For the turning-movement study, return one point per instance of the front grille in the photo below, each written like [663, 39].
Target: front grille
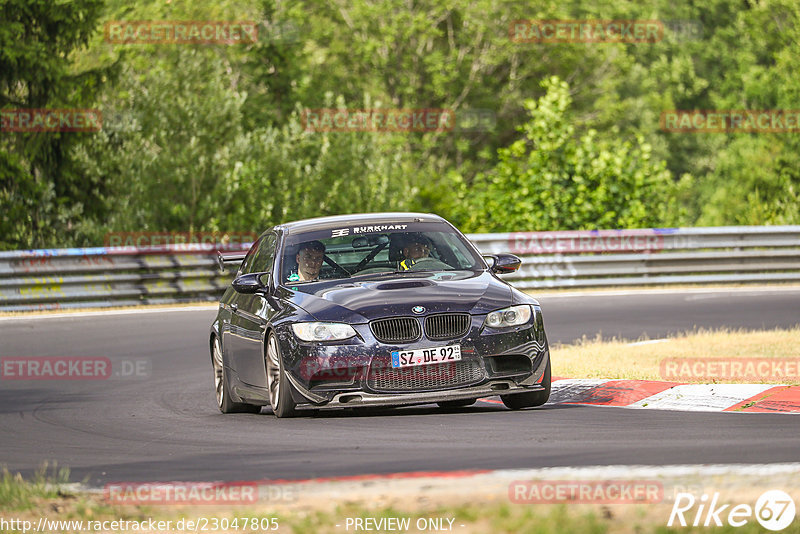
[446, 325]
[425, 377]
[396, 330]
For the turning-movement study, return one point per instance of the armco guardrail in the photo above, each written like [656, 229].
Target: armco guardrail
[115, 276]
[110, 276]
[736, 254]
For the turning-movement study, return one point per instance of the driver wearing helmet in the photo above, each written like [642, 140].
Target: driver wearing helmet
[309, 262]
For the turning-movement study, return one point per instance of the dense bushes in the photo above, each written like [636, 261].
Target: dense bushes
[210, 137]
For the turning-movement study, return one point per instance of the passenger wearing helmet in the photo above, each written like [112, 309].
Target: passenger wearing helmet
[415, 248]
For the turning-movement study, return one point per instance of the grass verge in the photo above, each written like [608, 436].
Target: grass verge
[17, 494]
[87, 512]
[643, 359]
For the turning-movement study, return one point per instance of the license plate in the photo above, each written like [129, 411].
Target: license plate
[408, 358]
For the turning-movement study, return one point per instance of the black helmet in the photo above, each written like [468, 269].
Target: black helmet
[409, 238]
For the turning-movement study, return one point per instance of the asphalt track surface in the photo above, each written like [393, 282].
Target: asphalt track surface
[165, 425]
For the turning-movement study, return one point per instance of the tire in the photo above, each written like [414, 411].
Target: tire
[532, 399]
[222, 385]
[460, 403]
[280, 394]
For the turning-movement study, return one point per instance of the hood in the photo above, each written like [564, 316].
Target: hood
[364, 300]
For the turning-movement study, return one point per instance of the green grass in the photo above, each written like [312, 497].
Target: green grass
[556, 519]
[18, 494]
[508, 518]
[44, 495]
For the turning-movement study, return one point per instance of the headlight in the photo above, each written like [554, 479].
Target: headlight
[323, 331]
[513, 316]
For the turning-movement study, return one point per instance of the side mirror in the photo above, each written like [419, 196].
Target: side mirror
[249, 283]
[504, 263]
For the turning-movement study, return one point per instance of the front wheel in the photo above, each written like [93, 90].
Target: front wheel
[222, 386]
[529, 400]
[280, 396]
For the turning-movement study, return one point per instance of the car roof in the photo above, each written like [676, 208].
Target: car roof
[321, 223]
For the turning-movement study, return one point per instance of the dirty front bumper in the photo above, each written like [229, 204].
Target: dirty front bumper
[343, 374]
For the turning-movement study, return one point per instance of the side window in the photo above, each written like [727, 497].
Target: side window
[265, 255]
[456, 249]
[244, 268]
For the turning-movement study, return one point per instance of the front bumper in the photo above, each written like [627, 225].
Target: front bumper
[511, 361]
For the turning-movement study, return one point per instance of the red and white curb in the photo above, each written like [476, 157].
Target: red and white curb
[650, 394]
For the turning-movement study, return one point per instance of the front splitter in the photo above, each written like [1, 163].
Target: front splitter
[494, 387]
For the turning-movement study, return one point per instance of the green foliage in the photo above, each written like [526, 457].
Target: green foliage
[40, 187]
[285, 173]
[160, 146]
[554, 179]
[209, 137]
[19, 494]
[755, 178]
[179, 158]
[756, 182]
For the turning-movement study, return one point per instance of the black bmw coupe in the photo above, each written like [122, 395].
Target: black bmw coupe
[377, 309]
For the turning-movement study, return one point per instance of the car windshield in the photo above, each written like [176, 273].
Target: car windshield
[371, 250]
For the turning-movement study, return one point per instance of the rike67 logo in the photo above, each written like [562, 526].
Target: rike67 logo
[774, 510]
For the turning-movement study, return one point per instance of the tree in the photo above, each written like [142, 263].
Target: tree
[179, 158]
[40, 187]
[553, 180]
